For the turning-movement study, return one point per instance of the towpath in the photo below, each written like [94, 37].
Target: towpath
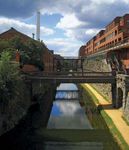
[114, 114]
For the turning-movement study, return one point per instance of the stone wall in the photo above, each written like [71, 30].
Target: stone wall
[14, 108]
[126, 111]
[43, 96]
[99, 64]
[123, 93]
[31, 102]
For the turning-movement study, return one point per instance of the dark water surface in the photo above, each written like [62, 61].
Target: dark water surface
[71, 126]
[76, 123]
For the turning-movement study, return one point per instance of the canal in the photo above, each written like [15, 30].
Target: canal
[74, 124]
[67, 112]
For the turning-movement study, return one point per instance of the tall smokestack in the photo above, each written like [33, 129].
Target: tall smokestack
[38, 26]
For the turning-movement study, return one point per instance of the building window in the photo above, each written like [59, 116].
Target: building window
[119, 39]
[110, 36]
[115, 32]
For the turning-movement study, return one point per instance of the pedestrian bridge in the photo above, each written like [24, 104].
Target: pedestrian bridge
[67, 95]
[119, 83]
[73, 77]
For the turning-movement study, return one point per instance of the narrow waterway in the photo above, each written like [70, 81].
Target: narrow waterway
[74, 124]
[67, 113]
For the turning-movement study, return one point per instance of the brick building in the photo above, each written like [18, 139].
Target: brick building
[82, 51]
[115, 33]
[48, 56]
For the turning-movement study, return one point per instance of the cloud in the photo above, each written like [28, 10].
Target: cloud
[81, 19]
[69, 108]
[81, 34]
[101, 12]
[19, 8]
[63, 46]
[69, 21]
[28, 29]
[26, 8]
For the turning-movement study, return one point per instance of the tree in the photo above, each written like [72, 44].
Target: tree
[8, 75]
[4, 45]
[30, 51]
[34, 53]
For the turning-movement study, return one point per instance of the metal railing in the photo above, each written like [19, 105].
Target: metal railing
[70, 74]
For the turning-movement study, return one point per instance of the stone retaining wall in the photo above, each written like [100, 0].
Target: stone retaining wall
[99, 64]
[13, 109]
[32, 100]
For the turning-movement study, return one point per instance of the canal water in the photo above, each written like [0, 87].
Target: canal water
[71, 124]
[74, 124]
[67, 113]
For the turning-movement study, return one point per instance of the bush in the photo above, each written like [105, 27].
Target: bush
[9, 74]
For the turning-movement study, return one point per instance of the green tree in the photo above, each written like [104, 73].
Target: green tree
[31, 51]
[4, 45]
[34, 53]
[9, 74]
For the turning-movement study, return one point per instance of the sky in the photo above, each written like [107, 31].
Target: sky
[65, 24]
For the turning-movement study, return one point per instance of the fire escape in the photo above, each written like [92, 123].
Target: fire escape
[116, 64]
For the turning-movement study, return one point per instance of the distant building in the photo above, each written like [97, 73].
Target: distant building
[58, 62]
[82, 51]
[48, 56]
[11, 33]
[115, 33]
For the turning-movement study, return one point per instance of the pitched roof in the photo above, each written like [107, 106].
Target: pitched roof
[11, 33]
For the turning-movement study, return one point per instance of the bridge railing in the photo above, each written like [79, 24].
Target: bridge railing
[69, 74]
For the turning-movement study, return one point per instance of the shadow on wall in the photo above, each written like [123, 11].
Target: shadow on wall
[120, 97]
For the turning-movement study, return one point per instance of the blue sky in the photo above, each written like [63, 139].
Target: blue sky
[65, 24]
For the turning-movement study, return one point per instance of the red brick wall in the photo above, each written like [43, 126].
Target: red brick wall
[48, 61]
[47, 55]
[114, 32]
[82, 50]
[12, 33]
[29, 68]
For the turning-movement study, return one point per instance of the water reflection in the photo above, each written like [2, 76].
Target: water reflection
[67, 86]
[66, 95]
[68, 115]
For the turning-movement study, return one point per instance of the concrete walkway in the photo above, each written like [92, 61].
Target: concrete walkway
[114, 114]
